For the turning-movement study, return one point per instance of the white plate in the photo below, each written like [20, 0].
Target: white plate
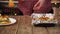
[12, 20]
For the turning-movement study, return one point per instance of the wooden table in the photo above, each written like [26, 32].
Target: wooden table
[23, 26]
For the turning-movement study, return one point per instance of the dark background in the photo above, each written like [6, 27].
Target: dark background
[4, 9]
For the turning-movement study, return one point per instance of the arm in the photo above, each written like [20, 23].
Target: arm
[38, 5]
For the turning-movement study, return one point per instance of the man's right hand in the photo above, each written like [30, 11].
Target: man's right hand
[36, 6]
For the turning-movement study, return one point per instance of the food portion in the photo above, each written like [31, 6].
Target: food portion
[46, 18]
[4, 19]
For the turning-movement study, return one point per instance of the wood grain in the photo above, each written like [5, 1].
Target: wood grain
[25, 25]
[40, 30]
[54, 30]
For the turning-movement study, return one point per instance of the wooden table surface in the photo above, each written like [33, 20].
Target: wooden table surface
[23, 26]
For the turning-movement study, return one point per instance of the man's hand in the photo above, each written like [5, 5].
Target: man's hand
[36, 6]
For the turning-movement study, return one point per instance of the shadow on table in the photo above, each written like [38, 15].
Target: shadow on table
[45, 25]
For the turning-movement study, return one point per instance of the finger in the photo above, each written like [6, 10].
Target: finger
[37, 4]
[35, 9]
